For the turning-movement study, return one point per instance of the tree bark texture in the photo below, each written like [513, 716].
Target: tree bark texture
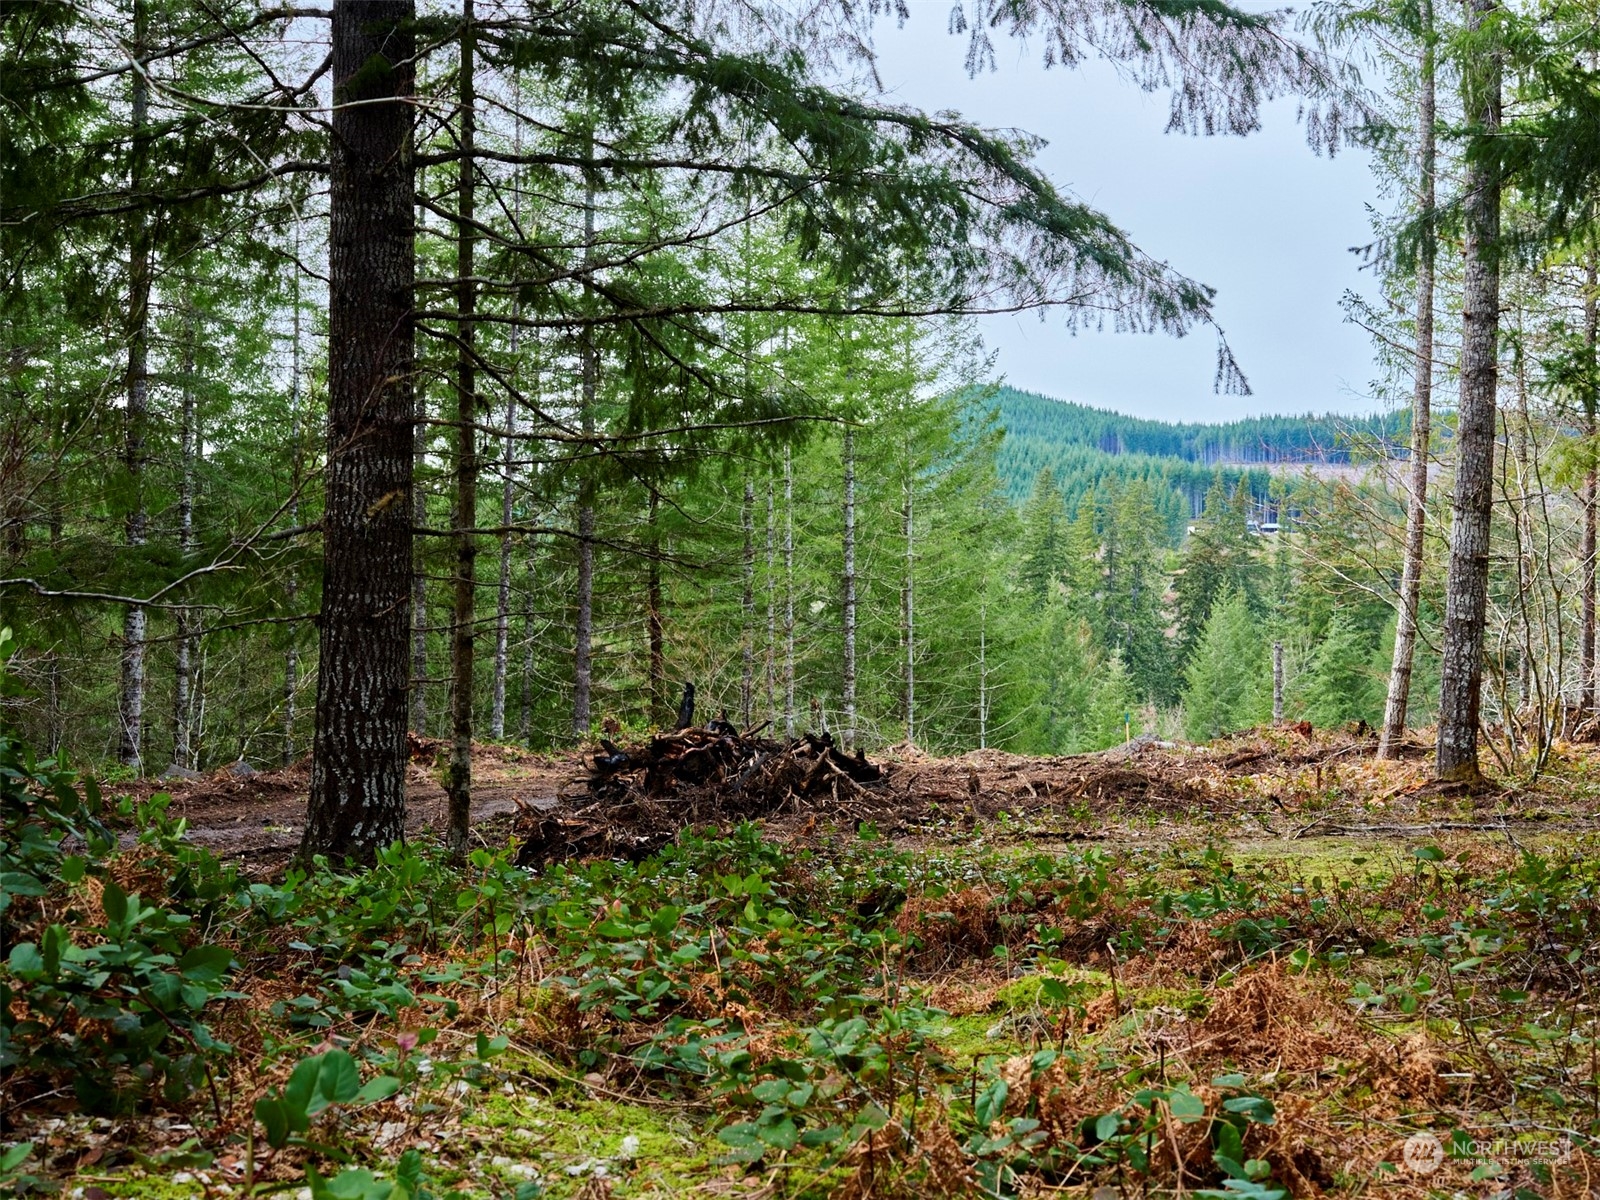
[983, 673]
[747, 638]
[463, 625]
[188, 633]
[788, 593]
[1405, 634]
[1466, 587]
[502, 610]
[849, 605]
[909, 605]
[358, 770]
[1277, 681]
[502, 603]
[131, 687]
[583, 649]
[772, 606]
[419, 580]
[1591, 493]
[291, 656]
[656, 634]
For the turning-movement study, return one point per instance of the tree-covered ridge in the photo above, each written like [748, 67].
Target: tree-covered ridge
[1089, 450]
[1309, 438]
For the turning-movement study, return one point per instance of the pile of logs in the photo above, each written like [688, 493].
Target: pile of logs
[636, 799]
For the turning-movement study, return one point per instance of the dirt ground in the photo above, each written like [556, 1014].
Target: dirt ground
[256, 819]
[1278, 785]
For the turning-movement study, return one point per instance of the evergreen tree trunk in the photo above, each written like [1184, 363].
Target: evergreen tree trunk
[358, 772]
[657, 668]
[502, 609]
[419, 580]
[130, 694]
[502, 604]
[788, 592]
[1277, 682]
[1591, 496]
[54, 698]
[1405, 634]
[583, 666]
[187, 633]
[1466, 587]
[291, 656]
[747, 639]
[525, 730]
[463, 625]
[909, 608]
[983, 673]
[772, 609]
[849, 730]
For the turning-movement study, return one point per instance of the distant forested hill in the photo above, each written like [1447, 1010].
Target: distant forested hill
[1090, 449]
[1326, 439]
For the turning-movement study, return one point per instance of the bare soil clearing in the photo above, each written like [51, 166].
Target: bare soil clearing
[256, 819]
[1279, 786]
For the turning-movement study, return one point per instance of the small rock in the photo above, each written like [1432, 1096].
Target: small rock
[242, 770]
[177, 772]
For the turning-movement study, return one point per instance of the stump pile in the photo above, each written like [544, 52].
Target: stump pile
[636, 799]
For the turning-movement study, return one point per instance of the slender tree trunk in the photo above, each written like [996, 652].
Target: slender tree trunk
[1405, 634]
[583, 666]
[419, 579]
[502, 606]
[983, 672]
[463, 623]
[1277, 682]
[55, 699]
[747, 639]
[291, 656]
[657, 668]
[788, 593]
[849, 730]
[910, 607]
[358, 769]
[528, 617]
[772, 609]
[1591, 495]
[502, 612]
[1466, 588]
[188, 632]
[130, 704]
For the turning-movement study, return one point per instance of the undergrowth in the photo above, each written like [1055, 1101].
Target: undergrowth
[840, 1018]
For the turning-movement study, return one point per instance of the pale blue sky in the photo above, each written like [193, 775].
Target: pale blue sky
[1261, 219]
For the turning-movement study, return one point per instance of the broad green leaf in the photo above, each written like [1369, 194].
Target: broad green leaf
[205, 964]
[1185, 1105]
[379, 1087]
[992, 1102]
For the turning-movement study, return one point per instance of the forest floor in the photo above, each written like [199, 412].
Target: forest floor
[1267, 967]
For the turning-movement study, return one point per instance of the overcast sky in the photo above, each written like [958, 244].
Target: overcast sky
[1261, 219]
